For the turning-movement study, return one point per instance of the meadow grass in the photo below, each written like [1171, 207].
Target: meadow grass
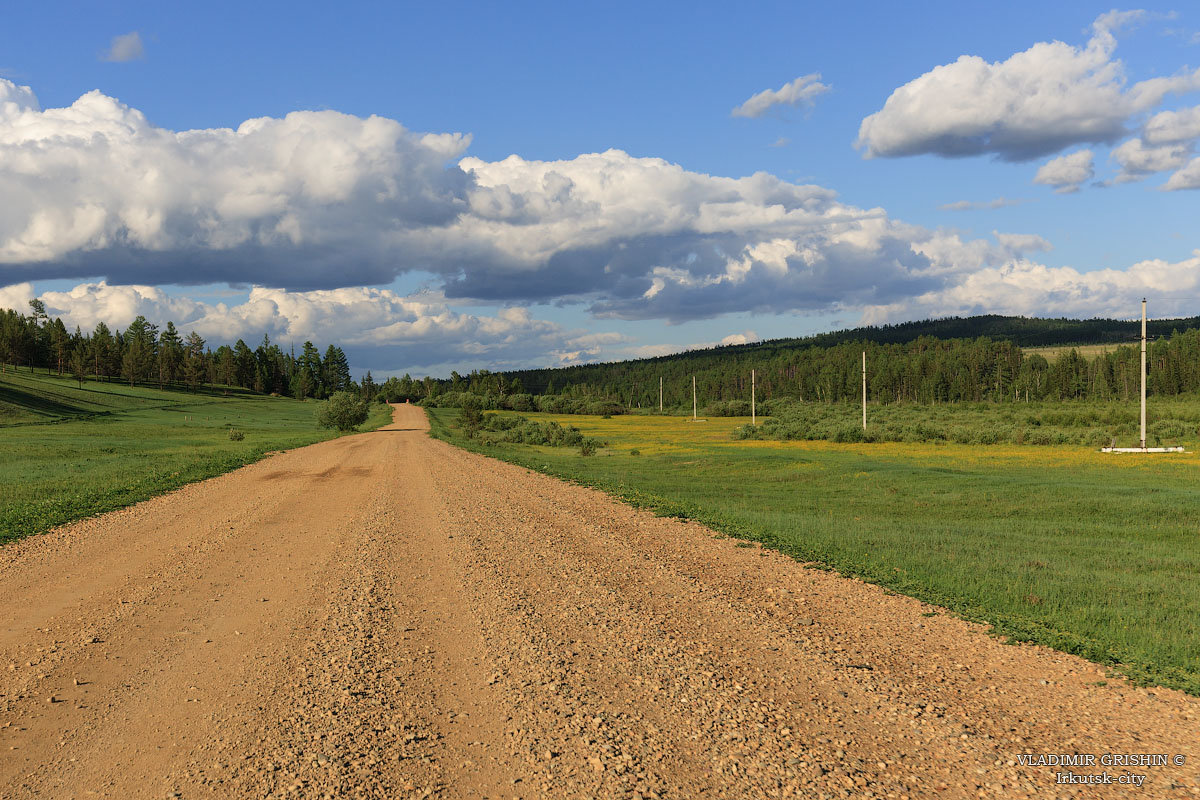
[67, 453]
[1088, 351]
[1173, 420]
[1090, 553]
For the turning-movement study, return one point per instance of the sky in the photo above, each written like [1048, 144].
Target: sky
[453, 185]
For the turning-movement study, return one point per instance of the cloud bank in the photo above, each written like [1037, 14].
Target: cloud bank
[323, 201]
[318, 205]
[1023, 286]
[377, 327]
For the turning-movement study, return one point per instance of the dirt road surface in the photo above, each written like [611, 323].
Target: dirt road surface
[385, 616]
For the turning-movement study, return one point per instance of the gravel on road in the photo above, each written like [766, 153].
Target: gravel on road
[386, 616]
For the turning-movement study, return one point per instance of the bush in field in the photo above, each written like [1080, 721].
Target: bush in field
[1046, 424]
[343, 410]
[728, 408]
[470, 419]
[521, 430]
[235, 435]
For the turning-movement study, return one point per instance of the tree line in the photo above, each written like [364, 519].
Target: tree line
[924, 370]
[145, 354]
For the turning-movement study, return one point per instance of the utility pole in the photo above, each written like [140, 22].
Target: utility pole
[1143, 373]
[660, 394]
[753, 416]
[693, 398]
[864, 376]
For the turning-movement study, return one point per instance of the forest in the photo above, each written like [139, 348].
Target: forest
[924, 370]
[144, 354]
[952, 360]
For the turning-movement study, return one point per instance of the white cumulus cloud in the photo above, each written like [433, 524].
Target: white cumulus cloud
[1066, 173]
[1138, 159]
[1173, 127]
[1034, 103]
[802, 90]
[1186, 178]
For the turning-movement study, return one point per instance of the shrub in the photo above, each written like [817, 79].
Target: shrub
[587, 447]
[471, 418]
[343, 410]
[235, 435]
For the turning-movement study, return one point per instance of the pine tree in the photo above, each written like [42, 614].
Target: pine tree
[170, 355]
[195, 367]
[310, 370]
[336, 369]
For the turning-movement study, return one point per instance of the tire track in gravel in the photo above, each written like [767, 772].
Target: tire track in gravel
[386, 616]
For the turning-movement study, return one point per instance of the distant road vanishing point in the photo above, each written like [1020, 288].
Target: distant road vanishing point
[384, 615]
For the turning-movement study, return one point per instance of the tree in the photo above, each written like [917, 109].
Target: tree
[60, 344]
[343, 410]
[310, 371]
[37, 339]
[246, 367]
[471, 418]
[194, 361]
[170, 355]
[101, 350]
[336, 369]
[79, 363]
[140, 339]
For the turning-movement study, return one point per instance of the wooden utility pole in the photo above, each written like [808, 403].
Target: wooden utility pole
[660, 394]
[1143, 373]
[753, 416]
[693, 398]
[864, 376]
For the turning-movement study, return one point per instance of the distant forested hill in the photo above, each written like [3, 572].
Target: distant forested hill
[1020, 331]
[946, 360]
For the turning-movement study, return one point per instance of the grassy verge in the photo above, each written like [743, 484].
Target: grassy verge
[118, 446]
[1088, 553]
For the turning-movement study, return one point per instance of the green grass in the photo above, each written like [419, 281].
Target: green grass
[67, 453]
[1088, 351]
[1089, 553]
[1172, 420]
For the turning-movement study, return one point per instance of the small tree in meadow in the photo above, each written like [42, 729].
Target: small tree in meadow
[343, 410]
[471, 418]
[78, 364]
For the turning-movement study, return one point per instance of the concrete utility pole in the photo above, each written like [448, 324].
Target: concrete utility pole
[753, 416]
[1143, 373]
[660, 394]
[864, 390]
[693, 398]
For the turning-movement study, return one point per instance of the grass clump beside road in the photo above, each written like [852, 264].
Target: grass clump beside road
[67, 453]
[1090, 553]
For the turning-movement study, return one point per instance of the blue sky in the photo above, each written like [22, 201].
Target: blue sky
[423, 254]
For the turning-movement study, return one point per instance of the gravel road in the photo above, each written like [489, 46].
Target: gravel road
[386, 616]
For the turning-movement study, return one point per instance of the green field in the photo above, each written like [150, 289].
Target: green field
[1171, 421]
[1088, 351]
[68, 453]
[1090, 553]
